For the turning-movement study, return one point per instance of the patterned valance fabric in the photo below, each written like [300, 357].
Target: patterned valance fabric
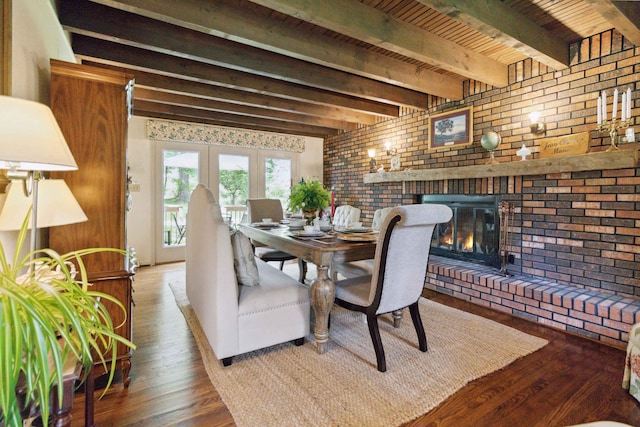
[166, 130]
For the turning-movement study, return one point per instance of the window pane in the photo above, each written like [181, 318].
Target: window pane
[180, 177]
[277, 179]
[234, 185]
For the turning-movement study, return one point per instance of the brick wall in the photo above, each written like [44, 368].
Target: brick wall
[578, 228]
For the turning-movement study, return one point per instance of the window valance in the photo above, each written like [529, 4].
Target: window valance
[167, 130]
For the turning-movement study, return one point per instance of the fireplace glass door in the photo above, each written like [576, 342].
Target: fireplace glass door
[472, 232]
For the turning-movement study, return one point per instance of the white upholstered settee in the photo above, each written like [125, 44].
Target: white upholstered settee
[237, 319]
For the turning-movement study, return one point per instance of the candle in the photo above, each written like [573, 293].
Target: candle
[599, 110]
[623, 110]
[629, 103]
[333, 203]
[627, 100]
[614, 113]
[604, 105]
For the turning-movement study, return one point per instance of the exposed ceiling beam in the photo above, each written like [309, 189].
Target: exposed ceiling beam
[138, 59]
[144, 94]
[186, 87]
[322, 66]
[133, 30]
[500, 22]
[373, 26]
[223, 19]
[623, 15]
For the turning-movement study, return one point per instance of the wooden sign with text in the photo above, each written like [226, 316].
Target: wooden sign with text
[564, 145]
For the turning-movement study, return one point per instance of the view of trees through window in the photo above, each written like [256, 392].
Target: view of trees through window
[234, 179]
[277, 180]
[180, 177]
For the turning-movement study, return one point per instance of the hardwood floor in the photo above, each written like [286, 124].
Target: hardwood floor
[569, 381]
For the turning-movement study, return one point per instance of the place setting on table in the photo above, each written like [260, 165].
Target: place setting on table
[312, 232]
[355, 232]
[324, 232]
[267, 223]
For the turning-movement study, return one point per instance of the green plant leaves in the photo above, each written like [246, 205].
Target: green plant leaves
[309, 194]
[47, 316]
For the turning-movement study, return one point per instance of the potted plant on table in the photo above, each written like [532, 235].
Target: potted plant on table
[310, 197]
[48, 316]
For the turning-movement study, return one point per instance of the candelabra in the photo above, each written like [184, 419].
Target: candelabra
[612, 127]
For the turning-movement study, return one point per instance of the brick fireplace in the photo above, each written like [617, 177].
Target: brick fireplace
[576, 245]
[576, 234]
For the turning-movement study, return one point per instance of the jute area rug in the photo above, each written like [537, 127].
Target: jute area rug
[287, 385]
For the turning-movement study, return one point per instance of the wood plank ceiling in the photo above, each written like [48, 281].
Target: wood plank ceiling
[320, 67]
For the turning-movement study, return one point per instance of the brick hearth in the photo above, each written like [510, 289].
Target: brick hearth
[591, 314]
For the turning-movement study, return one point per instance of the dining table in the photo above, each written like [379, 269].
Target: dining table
[322, 249]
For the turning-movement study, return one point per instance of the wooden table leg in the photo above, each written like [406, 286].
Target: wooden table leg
[323, 294]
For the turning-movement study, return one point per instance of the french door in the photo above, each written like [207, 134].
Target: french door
[233, 175]
[180, 167]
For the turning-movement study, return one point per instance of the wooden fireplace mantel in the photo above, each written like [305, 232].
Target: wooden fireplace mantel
[602, 160]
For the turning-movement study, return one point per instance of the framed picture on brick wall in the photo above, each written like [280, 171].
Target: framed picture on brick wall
[453, 128]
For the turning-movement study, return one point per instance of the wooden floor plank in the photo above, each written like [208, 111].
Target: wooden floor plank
[569, 381]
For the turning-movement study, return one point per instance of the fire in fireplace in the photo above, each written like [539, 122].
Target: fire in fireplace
[473, 232]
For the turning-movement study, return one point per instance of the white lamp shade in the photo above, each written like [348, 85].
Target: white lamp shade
[30, 138]
[56, 206]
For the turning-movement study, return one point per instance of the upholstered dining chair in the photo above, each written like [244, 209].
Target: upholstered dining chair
[345, 215]
[399, 273]
[365, 266]
[267, 208]
[257, 209]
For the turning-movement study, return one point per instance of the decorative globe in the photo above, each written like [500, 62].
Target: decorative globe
[490, 141]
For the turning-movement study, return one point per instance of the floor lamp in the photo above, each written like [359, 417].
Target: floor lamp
[31, 143]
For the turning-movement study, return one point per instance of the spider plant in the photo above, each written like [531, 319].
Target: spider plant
[48, 314]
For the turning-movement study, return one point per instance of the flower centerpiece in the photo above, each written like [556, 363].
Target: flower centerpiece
[310, 197]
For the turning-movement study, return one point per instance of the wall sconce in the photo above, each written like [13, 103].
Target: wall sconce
[536, 126]
[390, 151]
[372, 160]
